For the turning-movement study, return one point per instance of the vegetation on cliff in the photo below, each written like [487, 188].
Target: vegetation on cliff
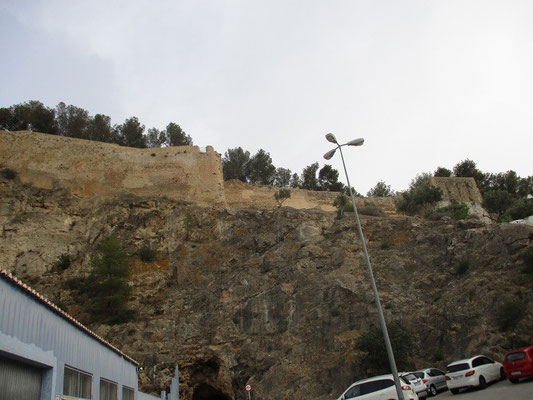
[271, 297]
[104, 293]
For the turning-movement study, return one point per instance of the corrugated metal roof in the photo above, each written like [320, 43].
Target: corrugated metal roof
[12, 279]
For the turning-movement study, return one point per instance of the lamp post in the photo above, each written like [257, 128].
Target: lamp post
[358, 142]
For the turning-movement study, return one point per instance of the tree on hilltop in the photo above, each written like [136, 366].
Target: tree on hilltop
[175, 136]
[100, 129]
[32, 116]
[309, 180]
[442, 172]
[468, 168]
[259, 169]
[234, 164]
[282, 177]
[380, 190]
[131, 133]
[72, 121]
[155, 138]
[328, 179]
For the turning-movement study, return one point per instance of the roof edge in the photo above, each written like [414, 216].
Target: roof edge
[41, 299]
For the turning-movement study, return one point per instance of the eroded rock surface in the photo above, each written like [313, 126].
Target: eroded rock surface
[273, 298]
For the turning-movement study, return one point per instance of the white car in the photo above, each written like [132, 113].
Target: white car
[417, 384]
[434, 379]
[473, 372]
[378, 388]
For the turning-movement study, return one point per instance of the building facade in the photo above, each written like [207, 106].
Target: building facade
[45, 354]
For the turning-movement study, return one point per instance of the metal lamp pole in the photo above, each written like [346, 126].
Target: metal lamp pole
[358, 142]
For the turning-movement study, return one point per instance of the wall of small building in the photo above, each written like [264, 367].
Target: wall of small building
[33, 333]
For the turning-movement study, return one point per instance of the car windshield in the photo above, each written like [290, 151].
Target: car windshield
[368, 387]
[457, 367]
[515, 356]
[419, 374]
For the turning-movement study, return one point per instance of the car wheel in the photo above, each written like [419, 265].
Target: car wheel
[454, 391]
[482, 382]
[513, 380]
[502, 374]
[432, 390]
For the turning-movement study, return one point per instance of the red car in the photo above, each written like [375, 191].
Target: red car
[519, 364]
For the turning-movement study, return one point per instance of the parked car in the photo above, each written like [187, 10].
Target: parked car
[434, 378]
[378, 388]
[418, 386]
[519, 364]
[473, 372]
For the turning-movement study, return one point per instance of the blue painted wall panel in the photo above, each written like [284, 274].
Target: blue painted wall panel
[32, 323]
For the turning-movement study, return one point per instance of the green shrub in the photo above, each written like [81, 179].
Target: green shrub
[385, 245]
[462, 267]
[417, 197]
[9, 174]
[75, 284]
[340, 203]
[509, 313]
[370, 209]
[371, 343]
[455, 211]
[527, 257]
[104, 293]
[63, 262]
[190, 225]
[281, 195]
[146, 254]
[520, 209]
[438, 356]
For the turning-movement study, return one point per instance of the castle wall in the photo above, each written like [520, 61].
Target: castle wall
[90, 168]
[461, 190]
[243, 195]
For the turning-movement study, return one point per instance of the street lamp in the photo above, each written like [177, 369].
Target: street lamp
[358, 142]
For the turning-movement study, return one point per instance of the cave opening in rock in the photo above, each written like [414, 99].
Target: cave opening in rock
[207, 392]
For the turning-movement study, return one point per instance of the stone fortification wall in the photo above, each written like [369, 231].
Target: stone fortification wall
[460, 190]
[185, 173]
[89, 168]
[243, 195]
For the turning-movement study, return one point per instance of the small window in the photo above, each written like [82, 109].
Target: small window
[477, 362]
[458, 367]
[374, 386]
[108, 390]
[437, 372]
[353, 392]
[77, 384]
[128, 393]
[419, 375]
[515, 356]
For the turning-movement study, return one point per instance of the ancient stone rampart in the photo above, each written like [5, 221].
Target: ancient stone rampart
[460, 190]
[185, 173]
[89, 168]
[244, 195]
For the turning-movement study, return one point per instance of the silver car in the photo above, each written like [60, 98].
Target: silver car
[418, 386]
[434, 378]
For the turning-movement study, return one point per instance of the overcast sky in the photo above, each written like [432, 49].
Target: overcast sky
[426, 83]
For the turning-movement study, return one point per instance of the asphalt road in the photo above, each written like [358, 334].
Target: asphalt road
[503, 390]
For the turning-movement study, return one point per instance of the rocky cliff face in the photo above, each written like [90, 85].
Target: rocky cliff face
[274, 298]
